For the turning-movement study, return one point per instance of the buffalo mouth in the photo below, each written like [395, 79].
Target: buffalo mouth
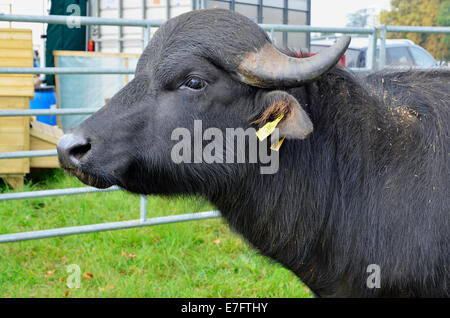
[90, 179]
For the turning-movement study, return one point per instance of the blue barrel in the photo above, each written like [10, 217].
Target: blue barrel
[44, 98]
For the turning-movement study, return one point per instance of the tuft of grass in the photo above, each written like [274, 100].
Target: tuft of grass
[190, 259]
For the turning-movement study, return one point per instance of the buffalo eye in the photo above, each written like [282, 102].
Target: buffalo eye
[194, 83]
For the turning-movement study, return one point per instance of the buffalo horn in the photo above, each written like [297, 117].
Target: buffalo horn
[268, 67]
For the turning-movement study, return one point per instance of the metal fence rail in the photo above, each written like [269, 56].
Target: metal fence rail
[53, 193]
[33, 235]
[147, 25]
[37, 112]
[64, 70]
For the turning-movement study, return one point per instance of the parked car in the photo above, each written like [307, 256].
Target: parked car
[399, 52]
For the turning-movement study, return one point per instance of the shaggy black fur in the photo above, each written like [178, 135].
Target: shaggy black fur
[370, 185]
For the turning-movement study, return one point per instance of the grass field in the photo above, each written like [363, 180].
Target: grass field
[190, 259]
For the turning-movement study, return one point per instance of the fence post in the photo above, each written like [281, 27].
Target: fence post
[143, 208]
[382, 46]
[373, 66]
[147, 36]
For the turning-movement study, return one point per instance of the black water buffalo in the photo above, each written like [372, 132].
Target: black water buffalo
[359, 204]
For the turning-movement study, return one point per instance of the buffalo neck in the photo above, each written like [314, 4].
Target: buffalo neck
[320, 184]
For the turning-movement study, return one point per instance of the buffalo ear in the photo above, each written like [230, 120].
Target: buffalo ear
[295, 123]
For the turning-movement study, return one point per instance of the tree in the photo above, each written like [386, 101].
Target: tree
[421, 13]
[444, 20]
[359, 18]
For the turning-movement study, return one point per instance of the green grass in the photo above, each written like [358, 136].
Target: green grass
[190, 259]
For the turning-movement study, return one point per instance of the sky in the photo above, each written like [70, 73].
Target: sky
[333, 13]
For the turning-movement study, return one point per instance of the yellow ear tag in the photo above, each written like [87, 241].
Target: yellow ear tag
[276, 146]
[268, 128]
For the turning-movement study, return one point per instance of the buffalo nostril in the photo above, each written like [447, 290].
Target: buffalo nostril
[79, 151]
[71, 148]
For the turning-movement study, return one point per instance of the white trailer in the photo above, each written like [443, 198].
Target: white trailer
[130, 39]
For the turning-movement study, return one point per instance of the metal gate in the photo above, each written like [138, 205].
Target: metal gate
[146, 25]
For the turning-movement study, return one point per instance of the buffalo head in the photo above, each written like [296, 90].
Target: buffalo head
[213, 66]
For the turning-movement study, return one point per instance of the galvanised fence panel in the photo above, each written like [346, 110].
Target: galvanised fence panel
[146, 24]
